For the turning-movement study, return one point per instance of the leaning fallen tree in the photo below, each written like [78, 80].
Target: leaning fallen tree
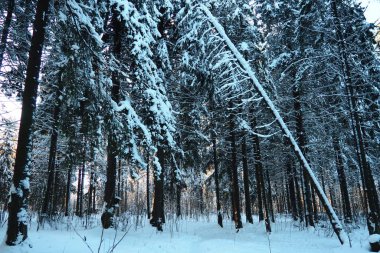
[334, 220]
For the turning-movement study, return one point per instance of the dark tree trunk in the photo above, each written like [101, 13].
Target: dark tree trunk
[302, 143]
[119, 192]
[258, 172]
[68, 191]
[342, 181]
[148, 190]
[46, 207]
[110, 188]
[56, 193]
[292, 192]
[94, 194]
[299, 195]
[248, 211]
[17, 224]
[79, 207]
[315, 207]
[332, 194]
[6, 28]
[89, 203]
[215, 157]
[158, 217]
[233, 167]
[119, 178]
[79, 187]
[270, 197]
[90, 209]
[373, 219]
[265, 202]
[178, 199]
[261, 196]
[83, 169]
[216, 177]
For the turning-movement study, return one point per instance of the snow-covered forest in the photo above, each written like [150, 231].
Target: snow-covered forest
[189, 125]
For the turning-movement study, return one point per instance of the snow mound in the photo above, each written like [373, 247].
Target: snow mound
[374, 238]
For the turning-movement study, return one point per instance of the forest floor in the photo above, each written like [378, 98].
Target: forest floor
[185, 236]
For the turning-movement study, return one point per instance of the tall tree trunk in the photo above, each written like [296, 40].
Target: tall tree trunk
[291, 185]
[94, 194]
[46, 207]
[302, 142]
[90, 192]
[261, 196]
[270, 196]
[258, 168]
[18, 205]
[68, 191]
[215, 157]
[178, 199]
[373, 219]
[342, 181]
[119, 178]
[248, 211]
[216, 177]
[110, 188]
[158, 217]
[6, 28]
[233, 168]
[148, 190]
[83, 169]
[79, 187]
[315, 207]
[57, 197]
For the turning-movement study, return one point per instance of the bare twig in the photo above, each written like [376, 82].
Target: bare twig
[83, 239]
[118, 242]
[101, 240]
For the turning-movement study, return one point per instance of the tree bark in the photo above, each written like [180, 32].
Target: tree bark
[299, 195]
[18, 205]
[110, 188]
[46, 207]
[260, 184]
[215, 156]
[148, 190]
[68, 191]
[90, 192]
[291, 185]
[248, 211]
[158, 215]
[270, 196]
[258, 172]
[178, 199]
[233, 167]
[216, 177]
[342, 181]
[302, 143]
[79, 192]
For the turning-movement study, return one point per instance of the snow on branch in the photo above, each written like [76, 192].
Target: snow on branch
[245, 126]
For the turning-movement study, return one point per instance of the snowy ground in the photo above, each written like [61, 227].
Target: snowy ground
[188, 235]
